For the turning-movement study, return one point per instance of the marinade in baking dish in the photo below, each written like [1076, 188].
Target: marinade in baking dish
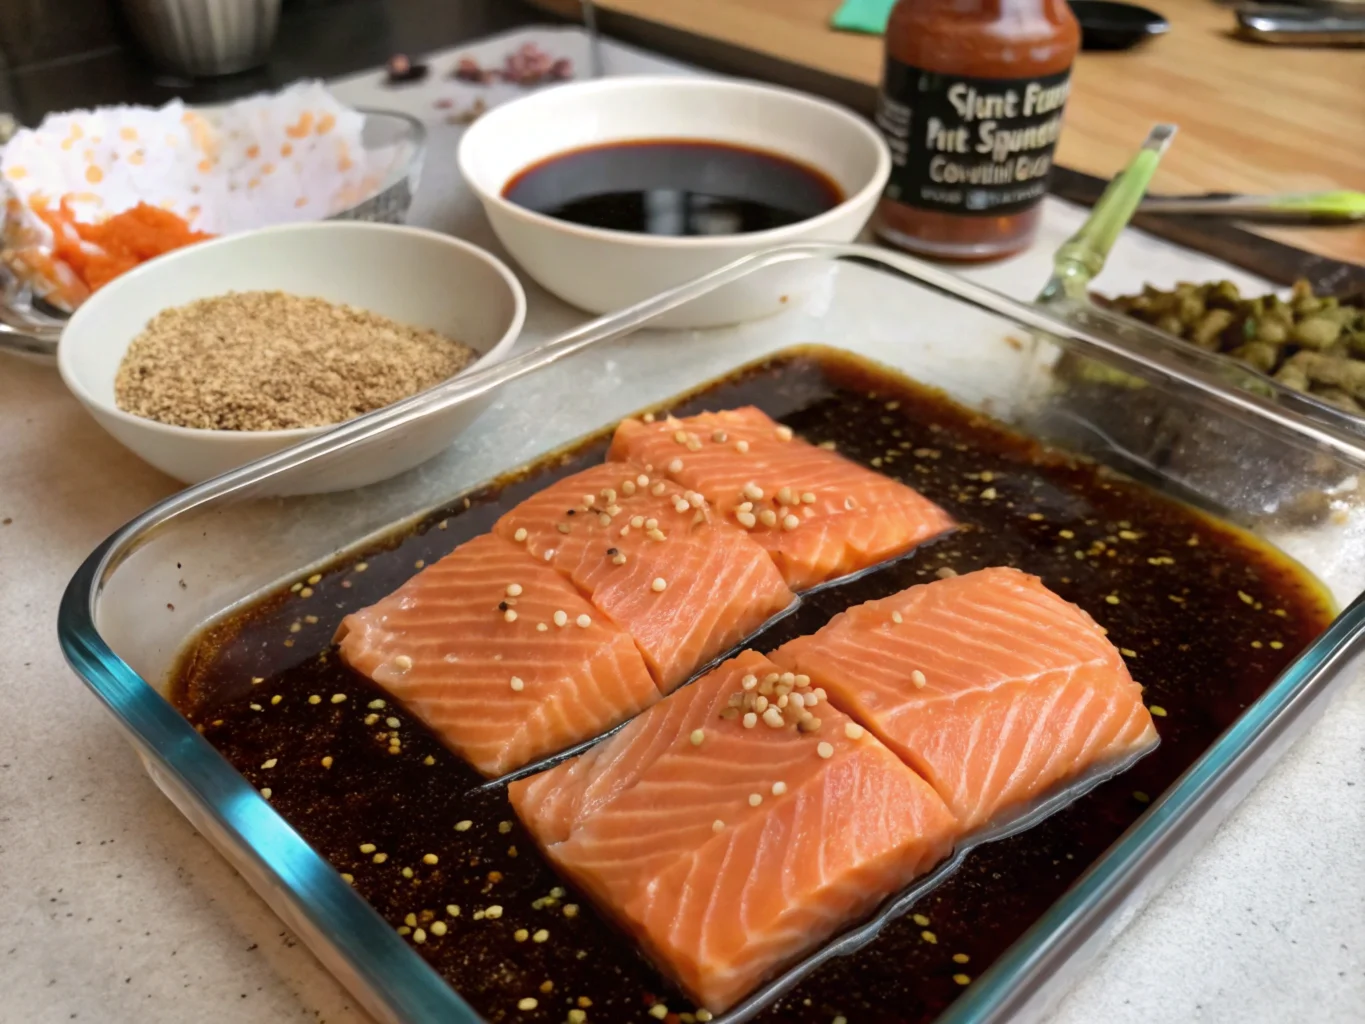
[1206, 616]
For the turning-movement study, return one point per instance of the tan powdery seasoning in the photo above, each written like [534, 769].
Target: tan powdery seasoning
[274, 361]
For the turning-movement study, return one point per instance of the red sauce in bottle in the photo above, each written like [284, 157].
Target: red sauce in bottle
[971, 104]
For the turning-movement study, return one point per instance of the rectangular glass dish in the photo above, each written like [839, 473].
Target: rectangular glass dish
[1085, 381]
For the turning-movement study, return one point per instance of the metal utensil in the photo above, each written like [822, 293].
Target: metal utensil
[1341, 206]
[1082, 256]
[1340, 25]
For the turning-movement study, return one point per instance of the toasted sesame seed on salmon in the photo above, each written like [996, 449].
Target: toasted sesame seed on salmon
[989, 685]
[731, 846]
[819, 515]
[499, 655]
[653, 558]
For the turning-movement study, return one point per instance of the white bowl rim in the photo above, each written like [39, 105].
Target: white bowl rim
[152, 266]
[741, 241]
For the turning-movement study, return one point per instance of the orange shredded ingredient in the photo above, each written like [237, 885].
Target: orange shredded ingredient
[98, 253]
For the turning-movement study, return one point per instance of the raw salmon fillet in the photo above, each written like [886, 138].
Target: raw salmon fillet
[819, 515]
[989, 685]
[655, 560]
[500, 693]
[729, 851]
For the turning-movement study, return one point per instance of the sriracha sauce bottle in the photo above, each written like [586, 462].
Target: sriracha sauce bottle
[971, 105]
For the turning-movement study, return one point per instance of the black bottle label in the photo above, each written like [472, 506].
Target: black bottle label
[972, 146]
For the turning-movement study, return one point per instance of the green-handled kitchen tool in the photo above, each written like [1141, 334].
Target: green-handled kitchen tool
[1082, 256]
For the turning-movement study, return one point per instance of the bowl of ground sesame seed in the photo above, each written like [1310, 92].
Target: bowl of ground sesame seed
[218, 354]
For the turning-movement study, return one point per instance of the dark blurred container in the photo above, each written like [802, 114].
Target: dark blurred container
[205, 38]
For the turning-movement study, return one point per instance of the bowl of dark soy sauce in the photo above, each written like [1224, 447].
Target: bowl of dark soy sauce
[610, 191]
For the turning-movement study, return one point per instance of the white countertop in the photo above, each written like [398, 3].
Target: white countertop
[115, 910]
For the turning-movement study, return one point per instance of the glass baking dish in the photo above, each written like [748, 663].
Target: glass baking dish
[1110, 389]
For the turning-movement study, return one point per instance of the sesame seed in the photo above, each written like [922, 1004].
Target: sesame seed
[327, 761]
[853, 731]
[463, 826]
[294, 627]
[338, 698]
[410, 920]
[371, 719]
[755, 799]
[929, 937]
[571, 910]
[347, 878]
[750, 720]
[256, 680]
[920, 920]
[717, 826]
[540, 936]
[296, 588]
[428, 760]
[504, 827]
[658, 1011]
[380, 858]
[420, 563]
[392, 722]
[404, 930]
[375, 705]
[561, 619]
[495, 912]
[1157, 710]
[266, 792]
[510, 615]
[790, 522]
[1111, 599]
[453, 909]
[528, 1003]
[696, 737]
[583, 621]
[752, 491]
[276, 699]
[255, 707]
[779, 788]
[402, 663]
[306, 592]
[270, 763]
[675, 466]
[517, 684]
[962, 979]
[438, 928]
[521, 935]
[917, 678]
[577, 1017]
[429, 858]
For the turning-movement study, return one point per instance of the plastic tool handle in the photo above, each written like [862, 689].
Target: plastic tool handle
[1082, 256]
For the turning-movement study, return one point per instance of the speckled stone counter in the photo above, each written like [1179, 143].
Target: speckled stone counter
[114, 910]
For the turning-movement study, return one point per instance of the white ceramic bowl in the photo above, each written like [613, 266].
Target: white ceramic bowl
[411, 275]
[601, 270]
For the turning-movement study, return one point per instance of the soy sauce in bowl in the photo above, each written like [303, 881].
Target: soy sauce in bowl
[674, 187]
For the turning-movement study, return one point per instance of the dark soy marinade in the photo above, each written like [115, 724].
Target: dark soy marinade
[1205, 616]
